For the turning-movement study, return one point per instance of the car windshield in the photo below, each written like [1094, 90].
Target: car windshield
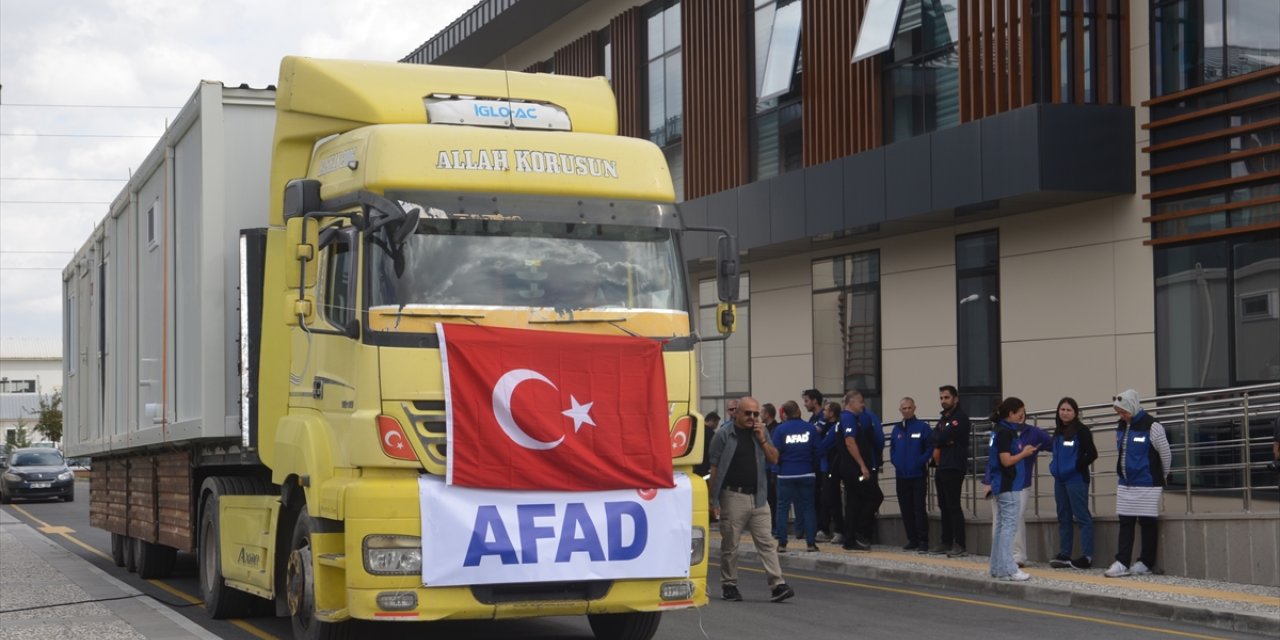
[565, 266]
[36, 459]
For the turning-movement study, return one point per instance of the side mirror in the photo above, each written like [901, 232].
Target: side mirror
[406, 226]
[727, 269]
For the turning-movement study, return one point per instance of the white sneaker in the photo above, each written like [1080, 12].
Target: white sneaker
[1020, 576]
[1140, 569]
[821, 537]
[1117, 570]
[838, 539]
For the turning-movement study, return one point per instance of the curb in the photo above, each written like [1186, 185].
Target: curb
[1184, 613]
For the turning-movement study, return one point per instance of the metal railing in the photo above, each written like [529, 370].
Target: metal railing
[1221, 442]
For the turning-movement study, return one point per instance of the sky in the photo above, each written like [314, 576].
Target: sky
[61, 166]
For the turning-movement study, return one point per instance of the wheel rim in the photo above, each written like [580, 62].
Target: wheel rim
[300, 589]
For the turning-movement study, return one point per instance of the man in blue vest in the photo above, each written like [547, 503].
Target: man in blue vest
[797, 445]
[910, 453]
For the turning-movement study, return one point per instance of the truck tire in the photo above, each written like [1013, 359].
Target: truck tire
[153, 560]
[300, 588]
[220, 600]
[640, 625]
[117, 549]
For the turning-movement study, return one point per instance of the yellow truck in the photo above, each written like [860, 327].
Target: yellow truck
[259, 310]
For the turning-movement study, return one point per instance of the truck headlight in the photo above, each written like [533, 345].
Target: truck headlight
[699, 547]
[390, 555]
[66, 475]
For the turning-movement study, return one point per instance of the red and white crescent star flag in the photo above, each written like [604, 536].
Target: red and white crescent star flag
[554, 411]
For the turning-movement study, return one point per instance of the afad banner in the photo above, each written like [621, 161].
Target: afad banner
[487, 536]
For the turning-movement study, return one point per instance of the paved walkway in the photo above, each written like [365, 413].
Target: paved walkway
[36, 572]
[1221, 605]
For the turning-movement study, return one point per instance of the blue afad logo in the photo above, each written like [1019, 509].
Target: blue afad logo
[519, 113]
[577, 533]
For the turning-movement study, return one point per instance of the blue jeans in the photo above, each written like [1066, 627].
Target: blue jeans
[1006, 519]
[797, 491]
[1073, 505]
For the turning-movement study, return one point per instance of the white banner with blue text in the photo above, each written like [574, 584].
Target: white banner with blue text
[486, 536]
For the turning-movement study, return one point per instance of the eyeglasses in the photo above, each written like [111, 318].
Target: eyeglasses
[751, 414]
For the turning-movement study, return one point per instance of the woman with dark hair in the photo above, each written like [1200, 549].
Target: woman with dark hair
[1004, 453]
[1073, 452]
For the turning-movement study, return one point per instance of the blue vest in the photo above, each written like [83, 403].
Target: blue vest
[1004, 478]
[1066, 456]
[1142, 467]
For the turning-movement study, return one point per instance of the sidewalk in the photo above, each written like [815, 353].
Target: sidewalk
[1220, 605]
[36, 572]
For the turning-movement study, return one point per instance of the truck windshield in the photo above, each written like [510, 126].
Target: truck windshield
[503, 263]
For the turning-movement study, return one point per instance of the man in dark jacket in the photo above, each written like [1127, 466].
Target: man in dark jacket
[950, 440]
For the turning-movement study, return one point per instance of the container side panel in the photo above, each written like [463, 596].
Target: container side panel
[184, 299]
[151, 245]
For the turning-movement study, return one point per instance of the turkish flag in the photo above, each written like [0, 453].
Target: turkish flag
[554, 411]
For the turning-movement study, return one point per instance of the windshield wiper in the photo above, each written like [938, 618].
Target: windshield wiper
[570, 319]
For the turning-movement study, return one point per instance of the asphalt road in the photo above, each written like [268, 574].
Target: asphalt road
[825, 606]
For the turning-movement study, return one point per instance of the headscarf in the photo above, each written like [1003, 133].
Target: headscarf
[1128, 402]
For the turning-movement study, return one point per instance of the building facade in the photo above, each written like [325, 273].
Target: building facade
[30, 372]
[1019, 197]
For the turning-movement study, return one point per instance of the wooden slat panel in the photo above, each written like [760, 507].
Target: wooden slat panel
[1225, 182]
[627, 34]
[1027, 47]
[715, 95]
[1123, 54]
[1247, 102]
[1221, 133]
[1200, 162]
[1055, 50]
[175, 517]
[1102, 31]
[988, 62]
[141, 507]
[1077, 51]
[578, 58]
[1001, 59]
[1217, 233]
[966, 62]
[1226, 206]
[842, 101]
[1216, 86]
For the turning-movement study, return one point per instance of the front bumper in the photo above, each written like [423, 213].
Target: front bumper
[27, 490]
[390, 506]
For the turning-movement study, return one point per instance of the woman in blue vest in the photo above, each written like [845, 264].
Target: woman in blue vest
[1144, 457]
[1004, 453]
[1073, 452]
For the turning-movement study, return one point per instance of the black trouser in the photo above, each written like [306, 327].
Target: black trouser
[861, 500]
[830, 505]
[911, 505]
[949, 483]
[1150, 539]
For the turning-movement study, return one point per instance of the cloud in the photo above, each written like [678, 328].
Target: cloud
[139, 52]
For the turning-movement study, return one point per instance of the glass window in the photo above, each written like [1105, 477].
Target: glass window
[337, 298]
[1202, 41]
[725, 365]
[1255, 276]
[1191, 316]
[17, 386]
[774, 78]
[978, 346]
[605, 43]
[879, 23]
[666, 88]
[922, 74]
[775, 136]
[846, 325]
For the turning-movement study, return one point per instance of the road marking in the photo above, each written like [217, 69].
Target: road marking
[168, 588]
[65, 532]
[996, 605]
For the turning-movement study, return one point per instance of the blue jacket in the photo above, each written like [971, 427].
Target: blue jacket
[909, 448]
[1072, 455]
[866, 430]
[1142, 464]
[1004, 438]
[797, 445]
[1028, 434]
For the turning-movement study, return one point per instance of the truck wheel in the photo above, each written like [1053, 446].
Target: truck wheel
[153, 560]
[640, 625]
[117, 549]
[300, 586]
[220, 600]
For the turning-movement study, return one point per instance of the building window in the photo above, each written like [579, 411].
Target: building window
[879, 23]
[666, 91]
[604, 44]
[17, 386]
[725, 365]
[1197, 42]
[1217, 321]
[153, 225]
[978, 321]
[775, 128]
[922, 70]
[846, 325]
